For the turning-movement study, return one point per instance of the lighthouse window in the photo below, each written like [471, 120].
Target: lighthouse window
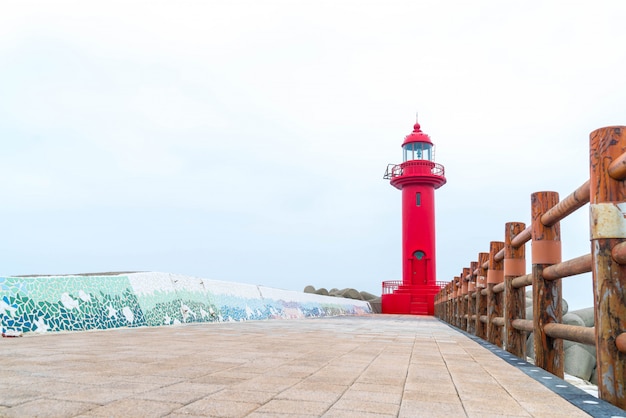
[417, 151]
[418, 199]
[419, 254]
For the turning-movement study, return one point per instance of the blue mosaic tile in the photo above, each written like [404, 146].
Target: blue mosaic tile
[73, 303]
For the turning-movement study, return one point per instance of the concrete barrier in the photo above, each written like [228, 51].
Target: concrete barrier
[102, 301]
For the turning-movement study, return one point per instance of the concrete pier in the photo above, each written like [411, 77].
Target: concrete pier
[366, 366]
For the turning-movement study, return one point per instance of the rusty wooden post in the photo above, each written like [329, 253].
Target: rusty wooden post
[455, 305]
[547, 294]
[441, 298]
[464, 293]
[481, 301]
[514, 299]
[608, 228]
[495, 307]
[450, 301]
[471, 301]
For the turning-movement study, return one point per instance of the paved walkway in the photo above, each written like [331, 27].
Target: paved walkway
[373, 366]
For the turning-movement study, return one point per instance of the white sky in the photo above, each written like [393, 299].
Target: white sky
[246, 140]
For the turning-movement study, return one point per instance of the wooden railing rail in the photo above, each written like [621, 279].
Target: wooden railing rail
[488, 299]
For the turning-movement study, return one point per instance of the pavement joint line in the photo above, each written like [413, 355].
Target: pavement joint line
[456, 389]
[355, 379]
[588, 403]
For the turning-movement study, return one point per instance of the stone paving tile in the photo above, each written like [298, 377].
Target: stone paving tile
[428, 409]
[496, 405]
[15, 395]
[358, 406]
[426, 386]
[309, 395]
[382, 397]
[133, 408]
[295, 407]
[342, 413]
[161, 381]
[183, 393]
[471, 414]
[92, 394]
[218, 408]
[250, 396]
[425, 396]
[309, 385]
[48, 407]
[330, 378]
[376, 387]
[276, 384]
[373, 366]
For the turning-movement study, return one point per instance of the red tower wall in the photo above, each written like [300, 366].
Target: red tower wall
[418, 234]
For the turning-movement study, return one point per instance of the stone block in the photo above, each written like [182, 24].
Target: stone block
[579, 362]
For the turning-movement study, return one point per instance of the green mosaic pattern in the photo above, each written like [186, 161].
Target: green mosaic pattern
[76, 303]
[68, 303]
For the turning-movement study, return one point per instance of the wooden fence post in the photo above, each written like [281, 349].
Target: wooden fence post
[514, 299]
[481, 301]
[450, 305]
[464, 294]
[608, 228]
[495, 308]
[547, 294]
[455, 306]
[471, 301]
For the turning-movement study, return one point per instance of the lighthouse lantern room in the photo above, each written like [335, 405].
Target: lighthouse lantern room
[417, 177]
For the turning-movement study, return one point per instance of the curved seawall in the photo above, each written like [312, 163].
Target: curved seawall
[84, 302]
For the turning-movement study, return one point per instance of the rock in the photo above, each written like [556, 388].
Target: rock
[376, 305]
[573, 319]
[530, 348]
[351, 294]
[594, 376]
[334, 292]
[368, 296]
[321, 291]
[579, 362]
[309, 289]
[586, 315]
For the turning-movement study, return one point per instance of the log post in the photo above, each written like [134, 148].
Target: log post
[495, 307]
[463, 301]
[547, 294]
[443, 309]
[514, 299]
[450, 305]
[608, 228]
[481, 301]
[471, 302]
[457, 297]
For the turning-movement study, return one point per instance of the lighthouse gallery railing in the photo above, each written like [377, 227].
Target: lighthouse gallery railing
[488, 298]
[395, 170]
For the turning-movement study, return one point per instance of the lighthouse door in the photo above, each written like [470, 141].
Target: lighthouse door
[418, 267]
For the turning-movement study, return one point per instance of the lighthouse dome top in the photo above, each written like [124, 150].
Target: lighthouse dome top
[417, 136]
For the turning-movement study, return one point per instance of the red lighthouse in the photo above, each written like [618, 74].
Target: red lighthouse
[418, 176]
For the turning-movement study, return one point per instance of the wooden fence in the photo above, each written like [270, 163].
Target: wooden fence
[488, 298]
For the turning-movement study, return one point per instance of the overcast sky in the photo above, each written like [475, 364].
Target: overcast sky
[246, 140]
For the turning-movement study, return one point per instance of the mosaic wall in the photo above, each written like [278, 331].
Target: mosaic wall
[76, 303]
